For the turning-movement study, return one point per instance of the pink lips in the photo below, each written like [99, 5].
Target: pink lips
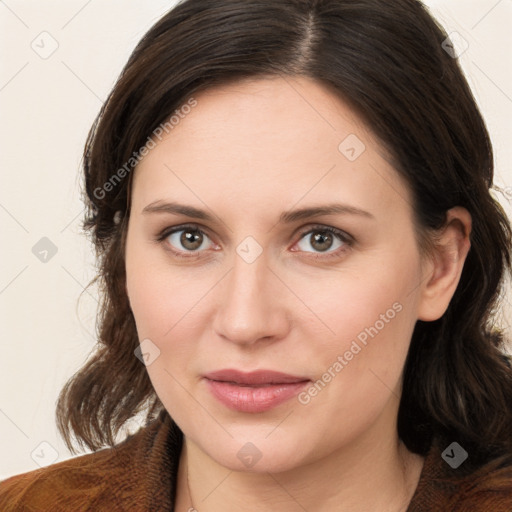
[256, 391]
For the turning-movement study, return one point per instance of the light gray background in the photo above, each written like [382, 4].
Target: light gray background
[47, 104]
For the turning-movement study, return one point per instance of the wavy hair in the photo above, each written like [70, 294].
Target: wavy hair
[387, 61]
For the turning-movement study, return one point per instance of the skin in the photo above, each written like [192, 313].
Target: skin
[245, 154]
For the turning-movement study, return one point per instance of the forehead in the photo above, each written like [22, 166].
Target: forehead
[272, 141]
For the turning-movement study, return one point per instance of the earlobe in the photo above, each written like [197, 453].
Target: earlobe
[446, 266]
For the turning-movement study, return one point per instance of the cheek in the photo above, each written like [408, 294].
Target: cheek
[358, 370]
[364, 303]
[160, 295]
[369, 318]
[147, 300]
[171, 307]
[162, 304]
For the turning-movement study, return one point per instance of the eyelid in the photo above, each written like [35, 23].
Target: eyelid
[172, 229]
[168, 231]
[343, 236]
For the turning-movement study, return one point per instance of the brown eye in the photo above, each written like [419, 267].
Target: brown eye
[191, 240]
[186, 239]
[323, 239]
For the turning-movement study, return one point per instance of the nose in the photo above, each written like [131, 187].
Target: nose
[252, 304]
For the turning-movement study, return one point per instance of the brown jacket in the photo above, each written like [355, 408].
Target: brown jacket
[139, 475]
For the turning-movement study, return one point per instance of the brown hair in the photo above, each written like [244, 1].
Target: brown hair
[387, 61]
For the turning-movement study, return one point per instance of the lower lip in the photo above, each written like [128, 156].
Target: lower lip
[253, 399]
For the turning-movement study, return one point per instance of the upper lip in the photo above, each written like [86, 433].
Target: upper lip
[254, 377]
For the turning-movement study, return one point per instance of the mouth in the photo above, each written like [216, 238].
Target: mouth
[253, 392]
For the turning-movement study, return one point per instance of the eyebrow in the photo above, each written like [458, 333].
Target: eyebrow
[286, 217]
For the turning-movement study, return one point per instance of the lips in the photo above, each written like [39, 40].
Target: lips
[255, 378]
[256, 391]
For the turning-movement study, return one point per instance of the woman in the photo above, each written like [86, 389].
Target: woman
[300, 257]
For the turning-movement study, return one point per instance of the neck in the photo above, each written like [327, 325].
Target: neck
[368, 475]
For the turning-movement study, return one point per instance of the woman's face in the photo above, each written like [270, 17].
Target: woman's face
[252, 280]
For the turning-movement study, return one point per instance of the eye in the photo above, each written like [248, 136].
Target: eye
[324, 238]
[183, 239]
[189, 240]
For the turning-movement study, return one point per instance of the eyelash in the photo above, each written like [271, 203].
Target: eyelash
[341, 235]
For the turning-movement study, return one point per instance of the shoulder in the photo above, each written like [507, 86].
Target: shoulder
[60, 482]
[113, 477]
[69, 484]
[487, 488]
[461, 485]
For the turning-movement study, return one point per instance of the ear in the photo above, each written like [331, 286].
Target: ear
[442, 273]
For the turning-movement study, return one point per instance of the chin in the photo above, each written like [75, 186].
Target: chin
[255, 453]
[271, 461]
